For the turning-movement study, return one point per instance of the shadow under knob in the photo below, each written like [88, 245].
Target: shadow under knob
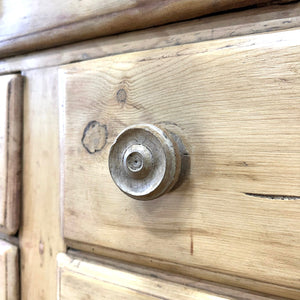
[145, 161]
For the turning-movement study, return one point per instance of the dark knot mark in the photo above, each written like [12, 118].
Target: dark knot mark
[94, 137]
[121, 96]
[192, 243]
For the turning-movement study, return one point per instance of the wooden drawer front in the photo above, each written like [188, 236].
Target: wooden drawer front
[82, 278]
[10, 151]
[9, 272]
[235, 104]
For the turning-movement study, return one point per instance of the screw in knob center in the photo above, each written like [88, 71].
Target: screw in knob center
[137, 161]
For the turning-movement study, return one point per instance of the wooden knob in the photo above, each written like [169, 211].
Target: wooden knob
[145, 161]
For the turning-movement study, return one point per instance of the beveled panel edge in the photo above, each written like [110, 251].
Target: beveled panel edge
[10, 255]
[14, 154]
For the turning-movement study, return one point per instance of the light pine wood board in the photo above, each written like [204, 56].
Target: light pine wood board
[40, 237]
[31, 25]
[11, 109]
[204, 278]
[82, 278]
[9, 272]
[251, 21]
[235, 103]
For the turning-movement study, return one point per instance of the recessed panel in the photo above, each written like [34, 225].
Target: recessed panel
[11, 108]
[9, 272]
[83, 278]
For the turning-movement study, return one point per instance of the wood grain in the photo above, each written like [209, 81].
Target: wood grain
[32, 26]
[11, 108]
[235, 105]
[210, 280]
[81, 278]
[40, 236]
[251, 21]
[9, 272]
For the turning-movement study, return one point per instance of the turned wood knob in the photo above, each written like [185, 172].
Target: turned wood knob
[145, 161]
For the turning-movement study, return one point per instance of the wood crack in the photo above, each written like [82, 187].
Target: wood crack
[274, 196]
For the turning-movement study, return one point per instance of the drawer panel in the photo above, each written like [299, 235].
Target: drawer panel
[9, 272]
[235, 104]
[10, 151]
[82, 278]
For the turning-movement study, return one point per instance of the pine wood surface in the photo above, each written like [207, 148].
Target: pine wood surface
[235, 104]
[9, 271]
[11, 108]
[40, 193]
[39, 236]
[34, 25]
[81, 278]
[250, 21]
